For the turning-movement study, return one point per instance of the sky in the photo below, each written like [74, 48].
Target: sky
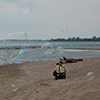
[45, 19]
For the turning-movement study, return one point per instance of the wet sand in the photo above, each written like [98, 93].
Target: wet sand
[34, 81]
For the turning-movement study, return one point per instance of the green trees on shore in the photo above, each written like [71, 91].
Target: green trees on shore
[94, 38]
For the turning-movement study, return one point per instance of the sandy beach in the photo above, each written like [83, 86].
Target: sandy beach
[34, 81]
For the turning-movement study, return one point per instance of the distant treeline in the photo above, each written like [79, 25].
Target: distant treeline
[94, 38]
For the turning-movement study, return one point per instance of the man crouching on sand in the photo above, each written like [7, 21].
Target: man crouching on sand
[60, 71]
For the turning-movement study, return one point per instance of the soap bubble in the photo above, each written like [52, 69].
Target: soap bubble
[60, 49]
[90, 75]
[25, 7]
[15, 45]
[47, 48]
[13, 87]
[1, 76]
[65, 29]
[25, 70]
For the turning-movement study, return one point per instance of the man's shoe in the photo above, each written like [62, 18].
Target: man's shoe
[55, 78]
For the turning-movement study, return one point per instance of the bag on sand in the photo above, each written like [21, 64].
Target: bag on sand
[55, 73]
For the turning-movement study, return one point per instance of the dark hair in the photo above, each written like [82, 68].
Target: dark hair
[57, 63]
[61, 62]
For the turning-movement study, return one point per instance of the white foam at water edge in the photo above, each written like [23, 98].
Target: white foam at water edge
[96, 50]
[1, 63]
[74, 50]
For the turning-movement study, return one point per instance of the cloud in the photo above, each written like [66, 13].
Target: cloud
[57, 6]
[49, 17]
[10, 1]
[8, 8]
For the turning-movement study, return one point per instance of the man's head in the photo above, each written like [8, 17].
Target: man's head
[57, 63]
[60, 62]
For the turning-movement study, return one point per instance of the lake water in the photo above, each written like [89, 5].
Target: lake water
[35, 55]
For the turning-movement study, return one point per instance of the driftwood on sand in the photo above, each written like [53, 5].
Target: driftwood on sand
[70, 60]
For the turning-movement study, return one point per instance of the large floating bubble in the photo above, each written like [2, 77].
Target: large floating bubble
[25, 7]
[90, 76]
[60, 49]
[65, 29]
[47, 48]
[15, 45]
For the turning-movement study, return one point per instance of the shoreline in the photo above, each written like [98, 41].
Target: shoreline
[47, 61]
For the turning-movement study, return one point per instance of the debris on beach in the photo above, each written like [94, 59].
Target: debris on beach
[70, 60]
